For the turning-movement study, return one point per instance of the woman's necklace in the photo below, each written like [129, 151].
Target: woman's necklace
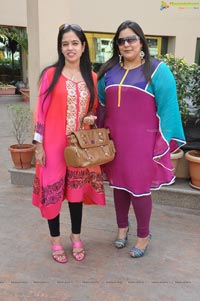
[133, 66]
[72, 76]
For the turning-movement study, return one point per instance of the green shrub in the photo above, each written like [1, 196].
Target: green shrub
[182, 73]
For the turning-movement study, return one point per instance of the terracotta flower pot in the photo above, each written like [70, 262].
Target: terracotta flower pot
[175, 156]
[7, 90]
[193, 156]
[22, 156]
[25, 93]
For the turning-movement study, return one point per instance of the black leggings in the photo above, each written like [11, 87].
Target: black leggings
[75, 210]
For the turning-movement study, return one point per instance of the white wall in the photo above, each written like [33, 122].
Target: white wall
[43, 24]
[13, 12]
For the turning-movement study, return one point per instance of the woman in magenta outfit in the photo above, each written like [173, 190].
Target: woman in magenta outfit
[68, 92]
[141, 110]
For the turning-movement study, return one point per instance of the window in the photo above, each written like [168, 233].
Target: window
[100, 45]
[154, 44]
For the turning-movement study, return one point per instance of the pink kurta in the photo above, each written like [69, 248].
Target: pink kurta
[60, 114]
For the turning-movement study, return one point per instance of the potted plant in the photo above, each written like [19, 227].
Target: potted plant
[21, 153]
[182, 74]
[6, 89]
[25, 93]
[193, 155]
[175, 157]
[192, 127]
[195, 90]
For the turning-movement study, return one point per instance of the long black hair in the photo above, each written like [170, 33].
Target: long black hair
[85, 63]
[115, 57]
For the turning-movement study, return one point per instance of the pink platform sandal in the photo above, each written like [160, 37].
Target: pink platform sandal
[58, 253]
[78, 255]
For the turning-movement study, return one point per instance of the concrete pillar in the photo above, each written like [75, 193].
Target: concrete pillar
[43, 20]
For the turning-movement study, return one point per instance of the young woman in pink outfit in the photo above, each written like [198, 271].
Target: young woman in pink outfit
[67, 96]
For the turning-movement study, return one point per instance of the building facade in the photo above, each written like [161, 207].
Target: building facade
[170, 27]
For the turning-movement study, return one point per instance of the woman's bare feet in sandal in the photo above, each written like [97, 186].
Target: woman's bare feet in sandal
[58, 253]
[141, 246]
[142, 242]
[122, 238]
[77, 245]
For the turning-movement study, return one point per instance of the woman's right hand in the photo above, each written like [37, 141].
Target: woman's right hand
[89, 119]
[40, 154]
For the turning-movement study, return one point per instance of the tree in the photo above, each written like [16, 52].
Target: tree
[18, 34]
[13, 37]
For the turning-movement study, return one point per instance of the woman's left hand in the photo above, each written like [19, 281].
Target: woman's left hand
[89, 119]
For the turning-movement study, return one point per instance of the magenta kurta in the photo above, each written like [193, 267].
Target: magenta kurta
[145, 125]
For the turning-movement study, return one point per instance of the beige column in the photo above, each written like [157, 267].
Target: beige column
[43, 20]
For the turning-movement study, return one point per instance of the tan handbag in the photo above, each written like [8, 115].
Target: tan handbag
[89, 147]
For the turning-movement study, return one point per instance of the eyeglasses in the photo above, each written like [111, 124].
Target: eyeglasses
[72, 26]
[129, 40]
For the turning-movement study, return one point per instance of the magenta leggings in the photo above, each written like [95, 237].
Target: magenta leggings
[142, 207]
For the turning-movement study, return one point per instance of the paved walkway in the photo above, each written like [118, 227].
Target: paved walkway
[170, 270]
